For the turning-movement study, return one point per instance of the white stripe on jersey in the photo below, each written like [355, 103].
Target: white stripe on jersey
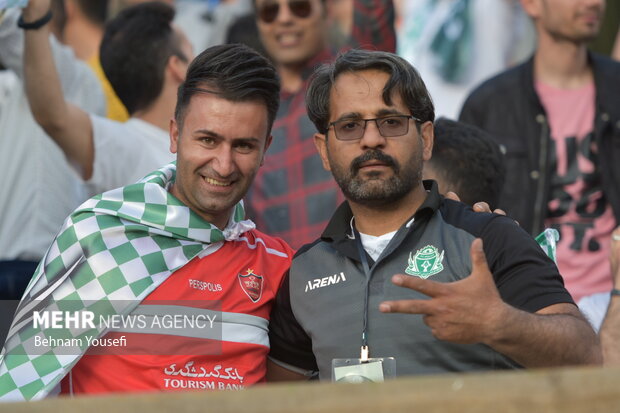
[231, 327]
[260, 240]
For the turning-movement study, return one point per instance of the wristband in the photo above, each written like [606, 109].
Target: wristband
[37, 24]
[615, 291]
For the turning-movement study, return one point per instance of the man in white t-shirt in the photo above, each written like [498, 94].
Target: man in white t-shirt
[145, 58]
[39, 188]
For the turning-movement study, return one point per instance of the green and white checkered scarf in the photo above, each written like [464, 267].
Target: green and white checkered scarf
[113, 251]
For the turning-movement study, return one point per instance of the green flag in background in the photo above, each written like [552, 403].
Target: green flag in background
[452, 45]
[548, 240]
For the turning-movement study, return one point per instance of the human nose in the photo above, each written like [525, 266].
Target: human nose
[371, 137]
[223, 163]
[284, 13]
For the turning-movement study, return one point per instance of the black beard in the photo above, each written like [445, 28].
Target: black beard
[378, 192]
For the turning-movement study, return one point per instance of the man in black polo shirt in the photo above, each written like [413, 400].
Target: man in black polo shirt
[402, 272]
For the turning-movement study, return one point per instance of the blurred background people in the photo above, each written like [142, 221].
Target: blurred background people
[558, 118]
[145, 57]
[39, 188]
[455, 44]
[205, 22]
[467, 161]
[83, 23]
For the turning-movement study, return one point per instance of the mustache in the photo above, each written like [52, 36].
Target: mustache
[376, 155]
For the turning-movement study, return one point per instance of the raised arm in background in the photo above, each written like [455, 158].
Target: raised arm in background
[68, 125]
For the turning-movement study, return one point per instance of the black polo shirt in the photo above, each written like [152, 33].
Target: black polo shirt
[318, 314]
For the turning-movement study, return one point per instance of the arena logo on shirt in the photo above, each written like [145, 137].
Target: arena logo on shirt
[251, 284]
[325, 281]
[427, 261]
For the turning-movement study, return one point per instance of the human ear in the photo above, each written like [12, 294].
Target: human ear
[320, 141]
[427, 134]
[174, 136]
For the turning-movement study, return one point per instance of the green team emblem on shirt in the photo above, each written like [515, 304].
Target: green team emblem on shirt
[427, 261]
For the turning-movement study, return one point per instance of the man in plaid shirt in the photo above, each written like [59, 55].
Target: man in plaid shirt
[293, 196]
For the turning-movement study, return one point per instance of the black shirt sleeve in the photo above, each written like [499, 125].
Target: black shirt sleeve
[288, 340]
[525, 277]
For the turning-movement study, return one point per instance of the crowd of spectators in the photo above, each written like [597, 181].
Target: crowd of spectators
[89, 102]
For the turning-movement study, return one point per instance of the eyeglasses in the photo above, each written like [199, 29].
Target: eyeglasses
[300, 8]
[389, 126]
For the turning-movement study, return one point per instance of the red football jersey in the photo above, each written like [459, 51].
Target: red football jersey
[221, 303]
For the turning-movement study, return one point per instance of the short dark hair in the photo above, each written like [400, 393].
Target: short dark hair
[404, 79]
[135, 49]
[469, 161]
[234, 72]
[95, 11]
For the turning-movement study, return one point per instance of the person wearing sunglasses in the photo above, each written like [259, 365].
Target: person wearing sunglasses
[292, 195]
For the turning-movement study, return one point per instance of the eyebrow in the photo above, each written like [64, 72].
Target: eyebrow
[390, 112]
[379, 114]
[349, 115]
[216, 135]
[207, 132]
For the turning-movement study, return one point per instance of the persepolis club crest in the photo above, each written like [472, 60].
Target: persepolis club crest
[426, 262]
[251, 284]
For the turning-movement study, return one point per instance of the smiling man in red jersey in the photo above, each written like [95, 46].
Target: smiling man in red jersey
[184, 284]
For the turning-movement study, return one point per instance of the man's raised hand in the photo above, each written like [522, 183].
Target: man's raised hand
[465, 311]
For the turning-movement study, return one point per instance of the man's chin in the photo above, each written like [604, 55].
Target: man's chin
[376, 192]
[376, 196]
[292, 58]
[371, 202]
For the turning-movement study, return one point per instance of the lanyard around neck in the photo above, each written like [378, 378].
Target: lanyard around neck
[362, 253]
